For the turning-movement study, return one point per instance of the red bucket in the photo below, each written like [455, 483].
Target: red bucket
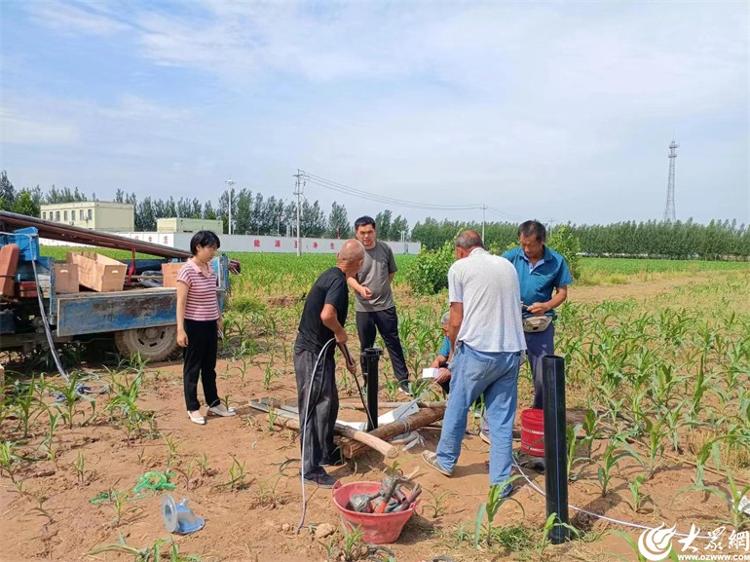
[532, 432]
[378, 528]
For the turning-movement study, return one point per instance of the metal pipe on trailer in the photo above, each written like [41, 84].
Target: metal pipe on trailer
[555, 450]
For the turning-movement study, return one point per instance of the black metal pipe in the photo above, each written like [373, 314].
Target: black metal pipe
[370, 360]
[555, 450]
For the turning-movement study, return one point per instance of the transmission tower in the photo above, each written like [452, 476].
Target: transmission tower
[669, 210]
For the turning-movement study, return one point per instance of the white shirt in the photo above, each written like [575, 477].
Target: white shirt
[488, 287]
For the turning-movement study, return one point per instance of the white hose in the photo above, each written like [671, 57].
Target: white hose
[43, 313]
[304, 432]
[598, 515]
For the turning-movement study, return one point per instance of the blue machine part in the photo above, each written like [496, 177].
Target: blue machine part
[27, 239]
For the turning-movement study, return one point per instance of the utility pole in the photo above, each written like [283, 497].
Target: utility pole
[484, 209]
[230, 184]
[298, 193]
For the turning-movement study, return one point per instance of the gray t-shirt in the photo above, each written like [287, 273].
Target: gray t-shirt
[378, 265]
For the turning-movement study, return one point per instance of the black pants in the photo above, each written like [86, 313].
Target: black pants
[322, 411]
[200, 361]
[386, 322]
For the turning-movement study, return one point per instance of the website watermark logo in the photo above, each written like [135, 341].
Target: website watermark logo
[656, 544]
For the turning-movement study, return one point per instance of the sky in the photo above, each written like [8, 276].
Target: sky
[560, 111]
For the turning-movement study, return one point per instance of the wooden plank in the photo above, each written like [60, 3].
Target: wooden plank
[361, 437]
[424, 417]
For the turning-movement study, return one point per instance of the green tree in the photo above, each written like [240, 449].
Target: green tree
[28, 202]
[566, 243]
[7, 192]
[338, 222]
[383, 224]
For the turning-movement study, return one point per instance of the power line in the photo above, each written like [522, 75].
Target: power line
[343, 188]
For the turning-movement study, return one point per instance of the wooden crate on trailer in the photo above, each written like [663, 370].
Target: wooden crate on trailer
[66, 278]
[169, 272]
[8, 266]
[99, 273]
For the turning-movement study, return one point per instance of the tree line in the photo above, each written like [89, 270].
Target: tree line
[252, 213]
[677, 240]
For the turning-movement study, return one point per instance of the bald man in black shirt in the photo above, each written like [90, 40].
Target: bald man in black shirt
[323, 319]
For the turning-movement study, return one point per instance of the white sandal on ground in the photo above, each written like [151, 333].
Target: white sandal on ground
[222, 410]
[196, 417]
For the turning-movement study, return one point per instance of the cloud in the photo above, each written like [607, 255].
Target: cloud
[26, 130]
[73, 17]
[572, 102]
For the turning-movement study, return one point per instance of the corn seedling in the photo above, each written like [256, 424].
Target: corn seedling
[438, 503]
[654, 448]
[119, 500]
[391, 389]
[8, 459]
[187, 472]
[638, 498]
[39, 508]
[69, 394]
[172, 450]
[237, 475]
[152, 553]
[418, 387]
[203, 465]
[573, 445]
[488, 510]
[351, 547]
[550, 524]
[266, 494]
[79, 465]
[604, 472]
[26, 404]
[269, 375]
[48, 442]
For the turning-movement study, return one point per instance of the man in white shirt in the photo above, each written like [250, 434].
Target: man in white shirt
[487, 339]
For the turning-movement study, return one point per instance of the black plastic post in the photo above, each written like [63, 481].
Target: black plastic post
[371, 357]
[555, 450]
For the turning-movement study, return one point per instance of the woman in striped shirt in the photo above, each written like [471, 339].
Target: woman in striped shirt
[198, 324]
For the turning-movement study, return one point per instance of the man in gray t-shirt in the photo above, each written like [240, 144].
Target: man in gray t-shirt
[374, 304]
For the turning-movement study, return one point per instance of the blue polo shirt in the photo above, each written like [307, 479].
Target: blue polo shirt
[538, 281]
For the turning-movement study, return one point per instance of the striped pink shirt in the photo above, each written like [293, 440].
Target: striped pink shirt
[202, 303]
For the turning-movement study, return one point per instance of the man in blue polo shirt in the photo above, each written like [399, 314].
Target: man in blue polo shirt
[540, 272]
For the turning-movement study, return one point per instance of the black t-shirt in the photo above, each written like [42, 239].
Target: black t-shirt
[329, 288]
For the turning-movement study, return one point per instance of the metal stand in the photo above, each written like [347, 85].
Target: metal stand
[370, 359]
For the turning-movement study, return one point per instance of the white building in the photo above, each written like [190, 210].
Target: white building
[95, 215]
[176, 224]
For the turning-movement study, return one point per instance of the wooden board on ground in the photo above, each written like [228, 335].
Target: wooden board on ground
[424, 417]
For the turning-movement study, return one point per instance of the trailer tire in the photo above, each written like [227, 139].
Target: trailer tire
[158, 343]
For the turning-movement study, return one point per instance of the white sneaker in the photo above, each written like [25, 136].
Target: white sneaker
[222, 410]
[196, 417]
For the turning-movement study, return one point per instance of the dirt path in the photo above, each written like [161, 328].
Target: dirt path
[638, 290]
